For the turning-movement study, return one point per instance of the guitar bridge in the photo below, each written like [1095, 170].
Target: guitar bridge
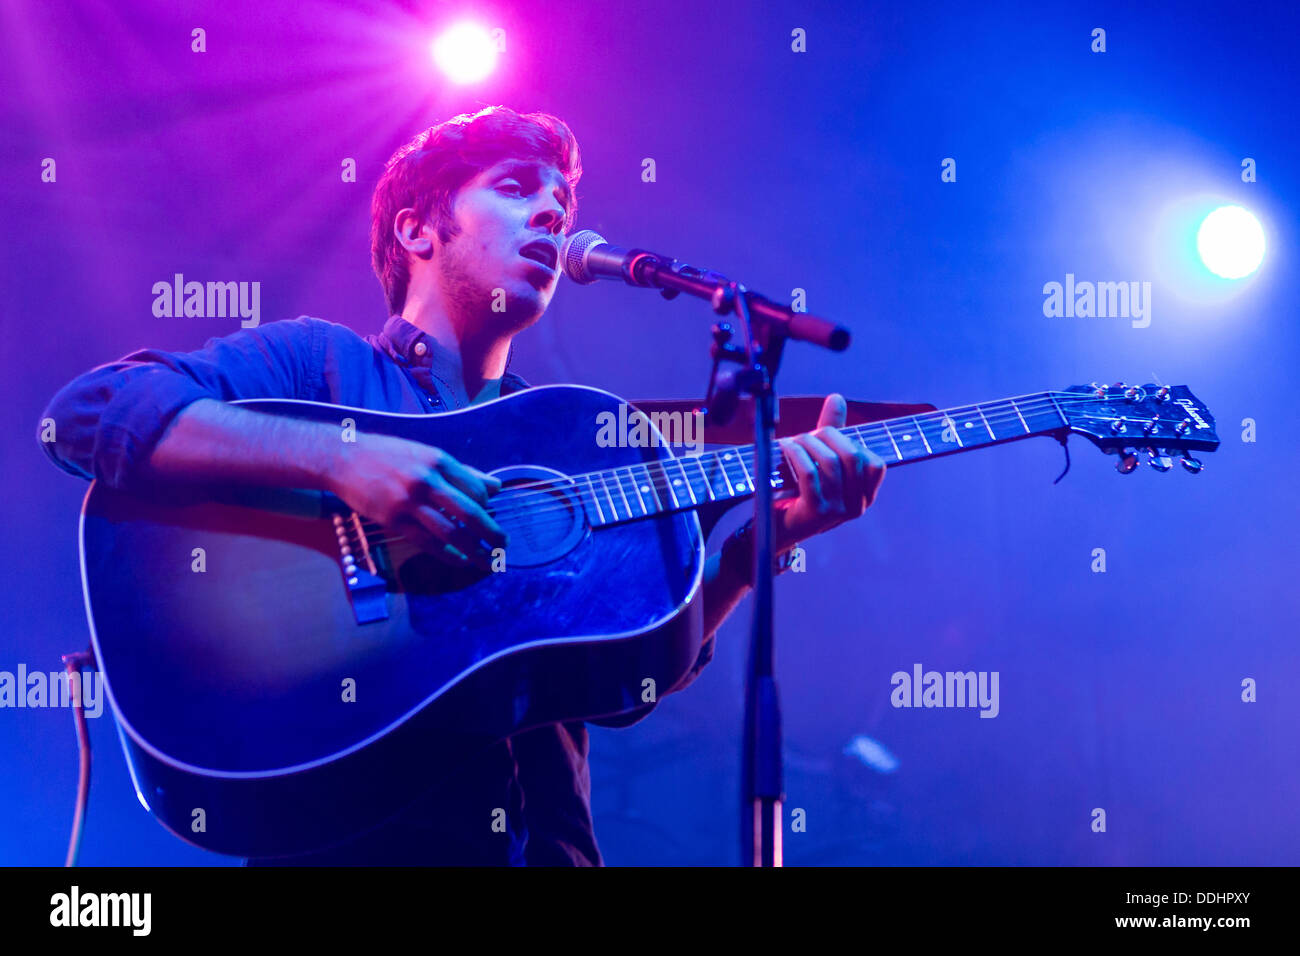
[362, 568]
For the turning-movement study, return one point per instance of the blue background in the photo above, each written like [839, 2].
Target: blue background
[816, 170]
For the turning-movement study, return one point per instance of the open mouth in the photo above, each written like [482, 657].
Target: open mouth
[542, 251]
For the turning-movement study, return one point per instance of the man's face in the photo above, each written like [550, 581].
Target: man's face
[503, 265]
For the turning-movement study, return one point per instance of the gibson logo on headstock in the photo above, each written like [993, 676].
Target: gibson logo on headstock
[1192, 413]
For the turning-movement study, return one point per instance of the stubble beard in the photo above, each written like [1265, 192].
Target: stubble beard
[471, 296]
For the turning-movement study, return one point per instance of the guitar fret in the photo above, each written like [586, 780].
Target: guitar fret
[708, 486]
[630, 481]
[907, 438]
[650, 484]
[684, 478]
[737, 489]
[1013, 404]
[943, 429]
[668, 484]
[897, 454]
[871, 442]
[948, 422]
[681, 477]
[1042, 415]
[998, 417]
[928, 449]
[613, 505]
[645, 510]
[1064, 421]
[729, 492]
[966, 420]
[749, 482]
[596, 499]
[622, 494]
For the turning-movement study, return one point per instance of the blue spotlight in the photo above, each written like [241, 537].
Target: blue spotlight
[1231, 242]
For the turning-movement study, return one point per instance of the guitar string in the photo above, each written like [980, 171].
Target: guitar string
[512, 494]
[517, 498]
[1049, 403]
[522, 499]
[520, 504]
[544, 520]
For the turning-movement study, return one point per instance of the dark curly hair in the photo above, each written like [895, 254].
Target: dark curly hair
[427, 172]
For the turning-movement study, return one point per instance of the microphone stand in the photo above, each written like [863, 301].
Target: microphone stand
[762, 785]
[767, 326]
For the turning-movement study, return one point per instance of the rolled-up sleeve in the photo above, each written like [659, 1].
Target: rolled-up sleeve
[107, 421]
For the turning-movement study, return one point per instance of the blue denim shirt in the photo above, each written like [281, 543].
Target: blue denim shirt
[108, 421]
[110, 418]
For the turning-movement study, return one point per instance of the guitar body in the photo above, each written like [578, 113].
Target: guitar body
[285, 674]
[268, 708]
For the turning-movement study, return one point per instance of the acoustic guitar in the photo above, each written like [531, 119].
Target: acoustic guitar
[285, 673]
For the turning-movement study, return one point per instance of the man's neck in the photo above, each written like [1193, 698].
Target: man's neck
[481, 358]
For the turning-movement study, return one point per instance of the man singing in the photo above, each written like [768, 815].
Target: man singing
[466, 222]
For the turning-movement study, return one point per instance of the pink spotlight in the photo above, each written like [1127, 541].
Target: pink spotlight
[466, 53]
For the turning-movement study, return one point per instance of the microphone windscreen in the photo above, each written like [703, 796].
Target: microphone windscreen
[573, 255]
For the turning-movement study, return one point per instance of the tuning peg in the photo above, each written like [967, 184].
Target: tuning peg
[1135, 394]
[1117, 425]
[1152, 425]
[1162, 393]
[1183, 427]
[1128, 461]
[1193, 465]
[1159, 462]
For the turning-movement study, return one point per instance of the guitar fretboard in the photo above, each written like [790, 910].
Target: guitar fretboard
[660, 487]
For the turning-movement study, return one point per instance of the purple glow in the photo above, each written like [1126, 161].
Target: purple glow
[466, 53]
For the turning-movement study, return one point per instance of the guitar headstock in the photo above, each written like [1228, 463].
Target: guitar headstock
[1163, 422]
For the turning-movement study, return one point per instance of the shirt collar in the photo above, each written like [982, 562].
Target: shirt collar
[400, 340]
[409, 345]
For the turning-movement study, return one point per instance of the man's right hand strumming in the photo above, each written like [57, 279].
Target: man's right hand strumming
[422, 493]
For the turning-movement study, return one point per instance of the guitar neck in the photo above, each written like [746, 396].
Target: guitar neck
[679, 484]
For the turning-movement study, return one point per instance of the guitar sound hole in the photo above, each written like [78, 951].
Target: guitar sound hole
[539, 509]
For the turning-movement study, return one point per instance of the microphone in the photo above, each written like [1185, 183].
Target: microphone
[587, 256]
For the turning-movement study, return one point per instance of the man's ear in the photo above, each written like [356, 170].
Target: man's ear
[415, 235]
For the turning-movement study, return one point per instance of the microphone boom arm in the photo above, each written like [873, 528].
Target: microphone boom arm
[586, 257]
